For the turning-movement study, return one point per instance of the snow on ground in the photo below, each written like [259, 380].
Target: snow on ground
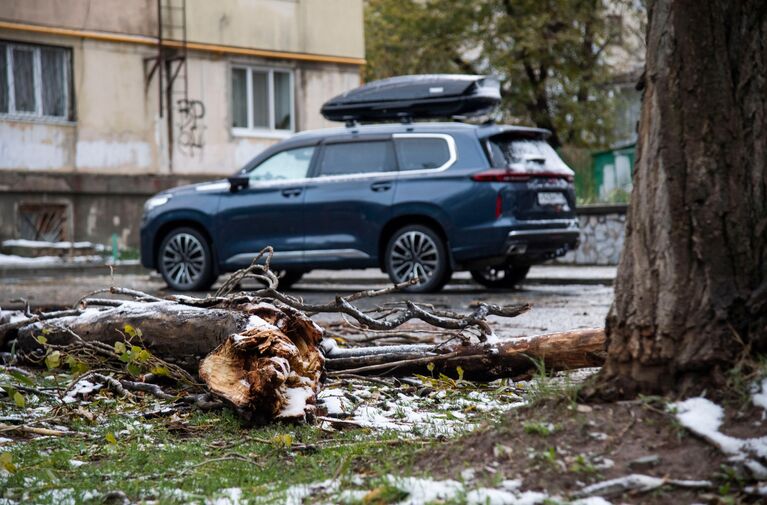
[14, 260]
[759, 394]
[44, 244]
[416, 491]
[418, 412]
[704, 418]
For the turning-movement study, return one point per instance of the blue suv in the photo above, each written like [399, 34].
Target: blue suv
[414, 199]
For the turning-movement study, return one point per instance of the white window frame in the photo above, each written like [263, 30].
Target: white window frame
[258, 131]
[37, 69]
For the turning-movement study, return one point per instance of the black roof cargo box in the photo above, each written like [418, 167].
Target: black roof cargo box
[416, 96]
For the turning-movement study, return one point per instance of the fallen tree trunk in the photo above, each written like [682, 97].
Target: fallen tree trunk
[262, 354]
[177, 333]
[482, 361]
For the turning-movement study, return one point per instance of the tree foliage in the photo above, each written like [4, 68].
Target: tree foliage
[549, 55]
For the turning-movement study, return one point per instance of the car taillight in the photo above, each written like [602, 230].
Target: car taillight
[501, 175]
[498, 206]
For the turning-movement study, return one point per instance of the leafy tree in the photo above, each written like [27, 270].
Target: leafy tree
[549, 55]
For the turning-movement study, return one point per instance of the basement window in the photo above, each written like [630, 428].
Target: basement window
[42, 221]
[35, 81]
[262, 101]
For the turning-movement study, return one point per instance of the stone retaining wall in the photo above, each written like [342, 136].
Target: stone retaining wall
[601, 235]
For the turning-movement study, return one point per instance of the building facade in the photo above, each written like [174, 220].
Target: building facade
[103, 103]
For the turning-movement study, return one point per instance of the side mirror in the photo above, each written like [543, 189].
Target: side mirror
[238, 182]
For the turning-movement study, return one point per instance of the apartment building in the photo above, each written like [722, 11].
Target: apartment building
[105, 102]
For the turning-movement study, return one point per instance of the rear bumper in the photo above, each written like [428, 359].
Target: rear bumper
[543, 240]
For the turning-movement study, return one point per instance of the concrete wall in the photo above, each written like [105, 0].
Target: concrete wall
[602, 234]
[97, 205]
[117, 127]
[117, 130]
[136, 17]
[329, 27]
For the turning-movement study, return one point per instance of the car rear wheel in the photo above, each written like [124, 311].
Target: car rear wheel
[185, 260]
[288, 278]
[417, 251]
[500, 276]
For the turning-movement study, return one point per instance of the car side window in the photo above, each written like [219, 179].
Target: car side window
[284, 166]
[419, 153]
[357, 158]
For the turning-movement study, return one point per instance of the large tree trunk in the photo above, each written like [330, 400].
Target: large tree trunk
[691, 291]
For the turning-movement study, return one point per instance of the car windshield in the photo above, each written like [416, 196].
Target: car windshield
[530, 155]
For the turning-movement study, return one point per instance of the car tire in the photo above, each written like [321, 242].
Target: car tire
[500, 276]
[417, 249]
[185, 260]
[288, 278]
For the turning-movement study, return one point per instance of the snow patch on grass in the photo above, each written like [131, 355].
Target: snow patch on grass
[422, 491]
[426, 412]
[759, 394]
[704, 418]
[228, 496]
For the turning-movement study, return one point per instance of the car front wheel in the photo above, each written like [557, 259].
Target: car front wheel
[185, 260]
[417, 251]
[501, 276]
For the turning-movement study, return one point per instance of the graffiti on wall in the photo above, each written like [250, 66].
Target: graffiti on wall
[190, 126]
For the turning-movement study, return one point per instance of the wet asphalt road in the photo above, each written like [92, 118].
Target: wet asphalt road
[556, 307]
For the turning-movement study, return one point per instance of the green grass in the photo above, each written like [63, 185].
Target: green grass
[538, 428]
[211, 452]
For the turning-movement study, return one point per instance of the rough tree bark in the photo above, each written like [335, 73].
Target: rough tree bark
[691, 292]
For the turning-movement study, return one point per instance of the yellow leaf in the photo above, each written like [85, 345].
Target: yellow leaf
[459, 371]
[160, 370]
[53, 360]
[119, 348]
[41, 340]
[430, 366]
[19, 400]
[284, 440]
[130, 330]
[6, 461]
[110, 437]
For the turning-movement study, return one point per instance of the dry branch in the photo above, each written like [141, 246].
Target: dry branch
[509, 358]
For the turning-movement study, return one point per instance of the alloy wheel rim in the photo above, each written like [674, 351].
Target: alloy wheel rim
[414, 254]
[183, 259]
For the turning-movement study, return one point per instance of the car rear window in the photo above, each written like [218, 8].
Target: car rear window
[528, 154]
[357, 158]
[422, 153]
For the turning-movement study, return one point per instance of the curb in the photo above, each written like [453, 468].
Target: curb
[134, 267]
[383, 282]
[126, 267]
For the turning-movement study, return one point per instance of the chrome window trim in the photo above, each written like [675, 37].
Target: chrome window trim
[450, 147]
[372, 175]
[308, 254]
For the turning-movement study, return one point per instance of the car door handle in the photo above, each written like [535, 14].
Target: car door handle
[287, 193]
[381, 186]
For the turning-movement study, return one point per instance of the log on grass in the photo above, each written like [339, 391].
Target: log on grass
[514, 358]
[178, 333]
[262, 359]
